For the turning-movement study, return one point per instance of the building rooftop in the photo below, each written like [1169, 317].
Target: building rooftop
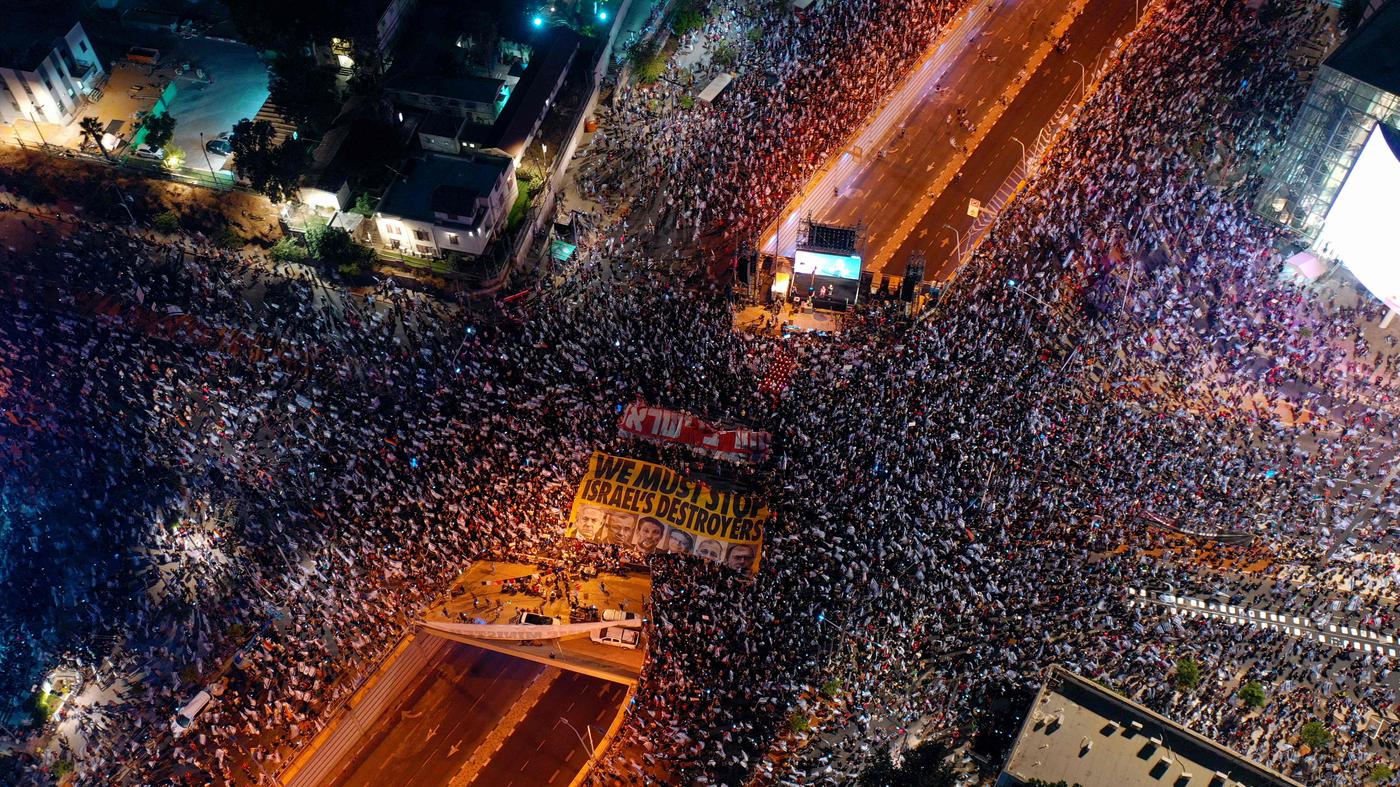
[1081, 732]
[1371, 54]
[439, 124]
[29, 31]
[528, 101]
[481, 90]
[440, 183]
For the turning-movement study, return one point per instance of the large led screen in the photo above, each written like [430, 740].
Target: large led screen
[837, 266]
[1360, 229]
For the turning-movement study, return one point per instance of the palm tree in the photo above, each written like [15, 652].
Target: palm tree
[92, 129]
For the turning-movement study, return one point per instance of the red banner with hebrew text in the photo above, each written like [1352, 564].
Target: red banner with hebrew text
[736, 444]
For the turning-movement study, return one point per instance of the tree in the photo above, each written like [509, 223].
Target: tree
[160, 129]
[92, 129]
[1252, 694]
[174, 156]
[334, 246]
[688, 16]
[924, 765]
[1381, 773]
[271, 169]
[1315, 735]
[799, 722]
[724, 55]
[1188, 674]
[648, 62]
[880, 771]
[287, 250]
[166, 221]
[304, 91]
[364, 204]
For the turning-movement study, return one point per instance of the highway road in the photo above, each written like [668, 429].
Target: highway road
[441, 718]
[1091, 35]
[906, 174]
[474, 716]
[543, 749]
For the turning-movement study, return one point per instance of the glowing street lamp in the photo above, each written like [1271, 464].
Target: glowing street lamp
[538, 21]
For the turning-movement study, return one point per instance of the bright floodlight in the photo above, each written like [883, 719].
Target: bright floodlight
[538, 21]
[1360, 227]
[603, 15]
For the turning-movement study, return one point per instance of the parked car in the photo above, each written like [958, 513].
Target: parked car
[149, 153]
[219, 146]
[617, 614]
[533, 619]
[184, 718]
[618, 637]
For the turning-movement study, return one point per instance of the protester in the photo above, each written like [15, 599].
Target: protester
[262, 480]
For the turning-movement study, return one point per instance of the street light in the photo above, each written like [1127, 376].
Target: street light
[1013, 285]
[121, 200]
[589, 746]
[956, 236]
[207, 162]
[1023, 152]
[538, 21]
[1083, 77]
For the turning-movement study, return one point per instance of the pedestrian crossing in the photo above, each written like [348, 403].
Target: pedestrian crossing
[1339, 636]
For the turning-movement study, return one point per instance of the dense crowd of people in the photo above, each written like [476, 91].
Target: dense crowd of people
[803, 84]
[257, 481]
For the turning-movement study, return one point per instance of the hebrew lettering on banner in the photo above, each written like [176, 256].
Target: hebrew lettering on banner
[661, 424]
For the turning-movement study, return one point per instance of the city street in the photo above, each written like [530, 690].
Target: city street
[912, 177]
[474, 716]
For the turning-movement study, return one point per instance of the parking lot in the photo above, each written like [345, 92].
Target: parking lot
[208, 85]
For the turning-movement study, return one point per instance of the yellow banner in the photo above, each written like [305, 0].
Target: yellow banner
[652, 508]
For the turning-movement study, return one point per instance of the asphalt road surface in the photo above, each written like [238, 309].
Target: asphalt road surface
[543, 750]
[451, 707]
[447, 716]
[1093, 32]
[913, 140]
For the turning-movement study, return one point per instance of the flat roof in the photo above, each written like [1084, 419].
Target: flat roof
[1371, 53]
[527, 100]
[482, 90]
[1129, 745]
[29, 31]
[436, 178]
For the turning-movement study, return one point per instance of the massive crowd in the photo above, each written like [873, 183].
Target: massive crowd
[265, 478]
[804, 83]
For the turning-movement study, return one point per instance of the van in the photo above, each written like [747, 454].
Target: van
[184, 718]
[618, 637]
[613, 615]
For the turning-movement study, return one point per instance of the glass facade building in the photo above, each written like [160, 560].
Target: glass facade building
[1334, 123]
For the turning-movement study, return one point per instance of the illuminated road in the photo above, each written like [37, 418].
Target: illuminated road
[924, 179]
[1091, 35]
[474, 716]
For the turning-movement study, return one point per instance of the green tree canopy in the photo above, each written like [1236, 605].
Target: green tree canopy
[272, 169]
[1315, 735]
[1188, 674]
[304, 91]
[924, 765]
[1252, 694]
[160, 129]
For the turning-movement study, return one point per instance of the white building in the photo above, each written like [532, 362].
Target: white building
[47, 68]
[442, 204]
